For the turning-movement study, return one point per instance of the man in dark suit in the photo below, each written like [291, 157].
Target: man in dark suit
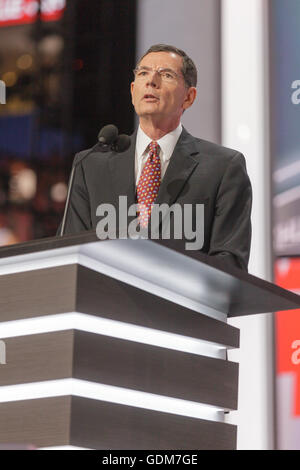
[165, 164]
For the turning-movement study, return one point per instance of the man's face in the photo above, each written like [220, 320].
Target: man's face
[163, 96]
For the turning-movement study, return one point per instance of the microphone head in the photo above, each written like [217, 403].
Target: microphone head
[108, 134]
[123, 143]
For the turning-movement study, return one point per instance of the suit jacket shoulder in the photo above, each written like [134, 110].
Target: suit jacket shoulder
[213, 152]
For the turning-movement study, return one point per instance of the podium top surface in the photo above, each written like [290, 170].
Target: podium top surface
[204, 278]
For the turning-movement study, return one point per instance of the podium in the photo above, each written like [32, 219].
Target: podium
[121, 344]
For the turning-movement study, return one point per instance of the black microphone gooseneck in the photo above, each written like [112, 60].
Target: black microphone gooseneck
[108, 139]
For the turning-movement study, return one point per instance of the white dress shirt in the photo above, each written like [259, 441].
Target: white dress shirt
[167, 144]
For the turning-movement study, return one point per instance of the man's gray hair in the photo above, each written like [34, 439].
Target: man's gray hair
[188, 69]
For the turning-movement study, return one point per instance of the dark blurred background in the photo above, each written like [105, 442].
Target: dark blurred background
[67, 66]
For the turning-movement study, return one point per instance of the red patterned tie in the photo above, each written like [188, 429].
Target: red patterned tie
[148, 185]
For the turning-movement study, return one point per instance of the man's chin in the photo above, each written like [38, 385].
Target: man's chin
[145, 111]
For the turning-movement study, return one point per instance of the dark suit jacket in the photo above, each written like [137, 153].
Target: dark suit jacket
[199, 172]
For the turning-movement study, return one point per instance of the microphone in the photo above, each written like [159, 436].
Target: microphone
[123, 143]
[108, 139]
[108, 135]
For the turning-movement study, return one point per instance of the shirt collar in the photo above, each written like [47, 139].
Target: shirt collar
[167, 142]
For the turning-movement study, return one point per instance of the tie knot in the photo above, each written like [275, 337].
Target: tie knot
[154, 148]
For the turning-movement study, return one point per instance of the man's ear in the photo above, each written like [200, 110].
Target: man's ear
[190, 97]
[131, 91]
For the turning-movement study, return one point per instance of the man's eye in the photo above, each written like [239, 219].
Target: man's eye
[167, 75]
[142, 73]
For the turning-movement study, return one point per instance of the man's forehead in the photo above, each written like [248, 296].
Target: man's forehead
[162, 59]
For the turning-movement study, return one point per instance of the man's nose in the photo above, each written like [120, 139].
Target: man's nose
[153, 79]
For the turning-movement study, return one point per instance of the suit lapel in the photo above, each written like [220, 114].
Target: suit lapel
[180, 167]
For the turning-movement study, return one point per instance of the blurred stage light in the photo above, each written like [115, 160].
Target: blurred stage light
[78, 64]
[51, 45]
[9, 78]
[59, 192]
[23, 185]
[24, 62]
